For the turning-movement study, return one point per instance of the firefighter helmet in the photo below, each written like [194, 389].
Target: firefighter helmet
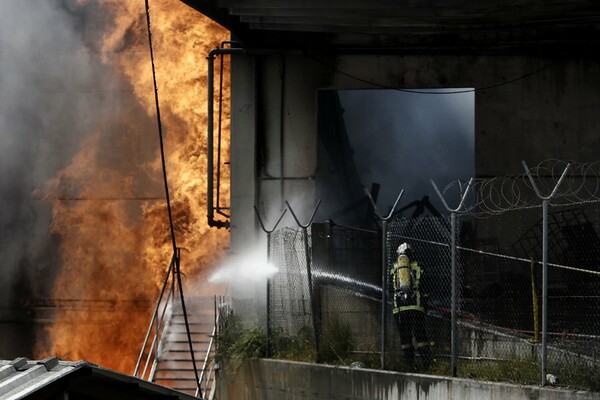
[402, 249]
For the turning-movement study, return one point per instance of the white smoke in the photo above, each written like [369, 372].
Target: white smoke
[32, 35]
[402, 140]
[54, 92]
[245, 270]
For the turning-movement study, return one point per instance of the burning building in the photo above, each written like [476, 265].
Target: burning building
[87, 236]
[525, 71]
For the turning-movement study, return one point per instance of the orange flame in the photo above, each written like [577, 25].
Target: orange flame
[115, 241]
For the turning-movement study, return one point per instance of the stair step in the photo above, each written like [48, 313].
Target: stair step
[199, 347]
[181, 353]
[175, 367]
[194, 319]
[182, 385]
[194, 326]
[196, 301]
[175, 356]
[178, 337]
[178, 364]
[182, 356]
[187, 383]
[176, 375]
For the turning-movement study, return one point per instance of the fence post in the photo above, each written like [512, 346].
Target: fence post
[384, 228]
[545, 202]
[268, 314]
[453, 306]
[313, 305]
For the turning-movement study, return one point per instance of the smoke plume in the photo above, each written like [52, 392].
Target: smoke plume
[46, 77]
[84, 221]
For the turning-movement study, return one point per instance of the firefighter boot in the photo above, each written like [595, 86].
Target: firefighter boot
[409, 358]
[425, 353]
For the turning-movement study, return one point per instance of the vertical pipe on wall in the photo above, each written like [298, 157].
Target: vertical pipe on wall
[282, 74]
[210, 130]
[210, 91]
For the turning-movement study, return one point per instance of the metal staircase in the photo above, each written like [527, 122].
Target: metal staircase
[165, 356]
[174, 365]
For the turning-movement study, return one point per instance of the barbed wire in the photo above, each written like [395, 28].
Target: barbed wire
[490, 196]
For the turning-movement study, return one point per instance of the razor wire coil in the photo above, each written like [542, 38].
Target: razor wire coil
[491, 196]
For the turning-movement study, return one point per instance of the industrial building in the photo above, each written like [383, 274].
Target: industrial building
[530, 66]
[329, 99]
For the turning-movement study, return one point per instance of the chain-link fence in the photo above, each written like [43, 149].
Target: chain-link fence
[346, 292]
[429, 238]
[325, 303]
[501, 302]
[290, 316]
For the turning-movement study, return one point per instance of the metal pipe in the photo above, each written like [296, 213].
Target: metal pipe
[210, 134]
[210, 116]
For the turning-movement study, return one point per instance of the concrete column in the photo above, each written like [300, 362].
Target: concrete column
[243, 153]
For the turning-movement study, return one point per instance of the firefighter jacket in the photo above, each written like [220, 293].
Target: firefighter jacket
[406, 276]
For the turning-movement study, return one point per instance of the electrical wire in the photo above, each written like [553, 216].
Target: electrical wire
[160, 131]
[176, 253]
[434, 92]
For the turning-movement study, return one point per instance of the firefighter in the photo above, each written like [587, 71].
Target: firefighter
[409, 310]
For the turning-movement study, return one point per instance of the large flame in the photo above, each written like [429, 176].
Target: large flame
[108, 210]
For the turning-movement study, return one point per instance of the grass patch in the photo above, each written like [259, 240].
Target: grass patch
[293, 348]
[336, 344]
[237, 342]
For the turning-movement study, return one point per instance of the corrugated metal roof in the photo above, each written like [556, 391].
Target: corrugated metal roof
[21, 378]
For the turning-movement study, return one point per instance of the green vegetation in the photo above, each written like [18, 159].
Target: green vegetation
[336, 343]
[524, 371]
[237, 342]
[293, 348]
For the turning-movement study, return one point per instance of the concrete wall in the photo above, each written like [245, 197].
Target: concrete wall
[281, 380]
[548, 114]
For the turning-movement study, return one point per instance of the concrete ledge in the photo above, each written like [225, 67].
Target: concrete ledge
[285, 380]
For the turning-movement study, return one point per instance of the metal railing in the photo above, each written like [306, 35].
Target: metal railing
[206, 374]
[148, 356]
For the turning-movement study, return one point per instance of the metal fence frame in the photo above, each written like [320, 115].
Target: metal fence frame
[454, 248]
